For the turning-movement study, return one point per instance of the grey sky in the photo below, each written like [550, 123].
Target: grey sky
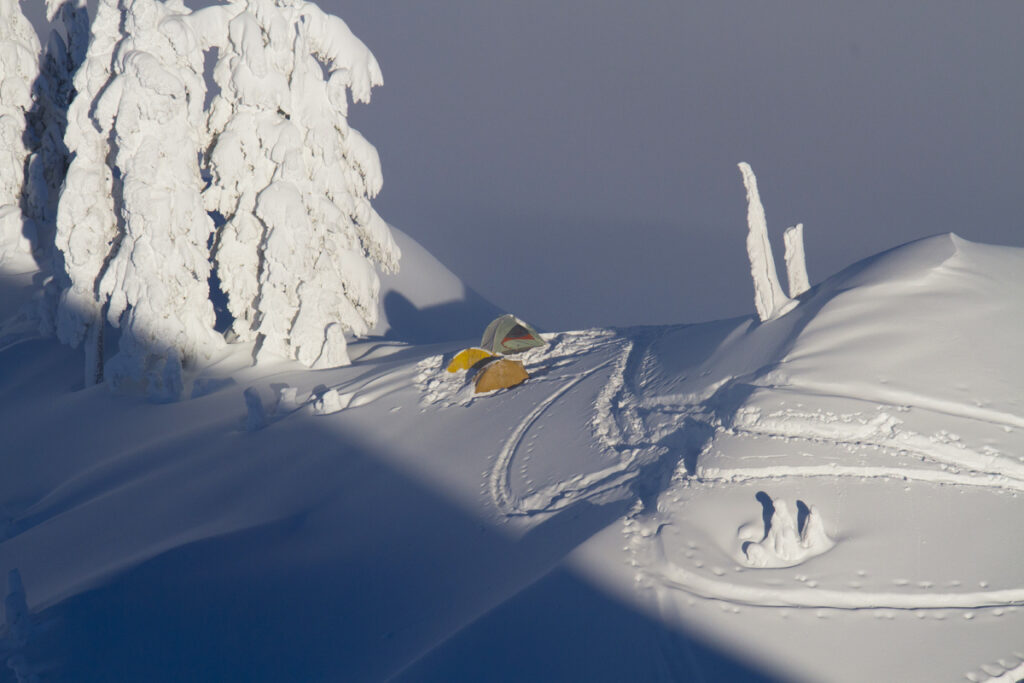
[575, 161]
[592, 145]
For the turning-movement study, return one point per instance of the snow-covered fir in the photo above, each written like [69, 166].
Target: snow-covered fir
[289, 181]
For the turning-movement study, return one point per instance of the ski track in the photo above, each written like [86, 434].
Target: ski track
[548, 499]
[713, 474]
[674, 576]
[619, 426]
[898, 397]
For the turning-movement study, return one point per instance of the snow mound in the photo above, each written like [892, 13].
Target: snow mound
[844, 478]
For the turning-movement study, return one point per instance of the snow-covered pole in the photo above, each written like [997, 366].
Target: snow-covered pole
[769, 298]
[796, 264]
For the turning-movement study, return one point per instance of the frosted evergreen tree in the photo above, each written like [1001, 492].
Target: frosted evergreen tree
[155, 279]
[293, 181]
[19, 69]
[297, 252]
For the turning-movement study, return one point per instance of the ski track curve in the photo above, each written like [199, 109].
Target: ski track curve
[619, 425]
[547, 499]
[987, 480]
[674, 576]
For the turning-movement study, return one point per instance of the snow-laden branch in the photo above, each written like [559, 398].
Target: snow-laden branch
[769, 298]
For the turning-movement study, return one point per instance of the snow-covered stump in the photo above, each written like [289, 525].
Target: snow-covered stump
[784, 545]
[769, 298]
[796, 264]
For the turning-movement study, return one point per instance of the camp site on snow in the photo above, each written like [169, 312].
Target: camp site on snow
[505, 335]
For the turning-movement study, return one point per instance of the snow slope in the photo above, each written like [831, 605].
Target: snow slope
[832, 495]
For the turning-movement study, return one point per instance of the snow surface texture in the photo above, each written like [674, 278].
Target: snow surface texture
[734, 500]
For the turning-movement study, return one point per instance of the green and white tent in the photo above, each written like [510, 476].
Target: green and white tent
[508, 334]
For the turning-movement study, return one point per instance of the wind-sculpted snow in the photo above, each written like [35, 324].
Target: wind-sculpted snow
[663, 430]
[845, 479]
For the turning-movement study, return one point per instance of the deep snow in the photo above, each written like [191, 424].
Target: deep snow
[831, 495]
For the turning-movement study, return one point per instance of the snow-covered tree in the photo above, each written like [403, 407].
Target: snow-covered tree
[19, 69]
[155, 279]
[293, 181]
[769, 298]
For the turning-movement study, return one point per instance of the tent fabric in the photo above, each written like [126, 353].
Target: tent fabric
[508, 334]
[467, 358]
[500, 374]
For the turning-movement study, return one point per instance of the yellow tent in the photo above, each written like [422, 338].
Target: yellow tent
[500, 374]
[468, 358]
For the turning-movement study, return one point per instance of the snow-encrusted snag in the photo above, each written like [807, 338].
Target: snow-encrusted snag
[771, 301]
[796, 263]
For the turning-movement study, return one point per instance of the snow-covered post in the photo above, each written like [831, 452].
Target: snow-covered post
[293, 181]
[19, 69]
[769, 298]
[796, 264]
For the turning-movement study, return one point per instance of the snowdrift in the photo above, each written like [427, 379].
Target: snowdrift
[831, 495]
